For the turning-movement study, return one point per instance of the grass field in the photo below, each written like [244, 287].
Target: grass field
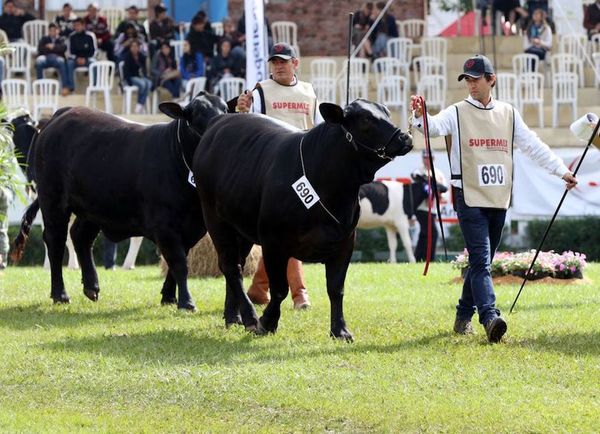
[126, 364]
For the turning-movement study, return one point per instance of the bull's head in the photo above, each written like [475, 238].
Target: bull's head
[198, 112]
[368, 126]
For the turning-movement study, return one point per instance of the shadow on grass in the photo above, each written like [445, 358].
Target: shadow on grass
[572, 344]
[47, 315]
[559, 305]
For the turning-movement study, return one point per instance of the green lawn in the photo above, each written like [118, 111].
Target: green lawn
[126, 364]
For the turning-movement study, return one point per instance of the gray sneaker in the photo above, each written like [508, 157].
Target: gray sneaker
[463, 327]
[495, 329]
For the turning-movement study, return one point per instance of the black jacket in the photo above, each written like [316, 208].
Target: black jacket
[81, 45]
[133, 67]
[59, 46]
[13, 25]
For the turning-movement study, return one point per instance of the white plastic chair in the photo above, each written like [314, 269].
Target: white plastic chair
[194, 86]
[184, 29]
[323, 68]
[596, 60]
[433, 89]
[14, 93]
[414, 29]
[230, 87]
[524, 63]
[114, 16]
[359, 88]
[392, 91]
[101, 75]
[507, 88]
[435, 47]
[575, 44]
[401, 49]
[325, 89]
[564, 91]
[425, 65]
[595, 43]
[385, 67]
[286, 31]
[563, 62]
[217, 28]
[359, 69]
[127, 90]
[19, 61]
[177, 49]
[531, 92]
[33, 31]
[45, 96]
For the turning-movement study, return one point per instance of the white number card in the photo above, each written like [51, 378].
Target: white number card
[191, 179]
[307, 194]
[491, 175]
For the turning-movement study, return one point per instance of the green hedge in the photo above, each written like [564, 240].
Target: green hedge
[34, 251]
[576, 234]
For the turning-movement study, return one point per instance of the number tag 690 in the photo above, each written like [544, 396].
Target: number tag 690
[491, 175]
[307, 194]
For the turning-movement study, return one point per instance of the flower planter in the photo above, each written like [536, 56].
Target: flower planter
[534, 275]
[577, 274]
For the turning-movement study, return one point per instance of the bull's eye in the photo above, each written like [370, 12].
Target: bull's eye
[365, 123]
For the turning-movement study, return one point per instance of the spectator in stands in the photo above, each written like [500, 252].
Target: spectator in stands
[201, 37]
[126, 38]
[162, 28]
[191, 63]
[241, 28]
[224, 64]
[81, 51]
[99, 26]
[385, 29]
[12, 20]
[65, 20]
[591, 19]
[165, 73]
[538, 36]
[134, 74]
[362, 21]
[132, 18]
[51, 49]
[235, 38]
[512, 11]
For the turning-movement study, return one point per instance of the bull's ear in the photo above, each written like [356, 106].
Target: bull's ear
[332, 113]
[172, 109]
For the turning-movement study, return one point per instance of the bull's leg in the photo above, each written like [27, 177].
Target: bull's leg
[83, 234]
[231, 312]
[55, 236]
[335, 270]
[392, 243]
[168, 289]
[175, 254]
[276, 266]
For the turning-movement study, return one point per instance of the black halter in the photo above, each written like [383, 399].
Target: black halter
[381, 151]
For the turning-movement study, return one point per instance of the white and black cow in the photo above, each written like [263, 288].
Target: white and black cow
[293, 192]
[125, 179]
[382, 205]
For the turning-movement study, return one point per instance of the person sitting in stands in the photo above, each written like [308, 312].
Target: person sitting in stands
[362, 21]
[12, 20]
[81, 51]
[99, 26]
[164, 70]
[65, 20]
[384, 30]
[134, 74]
[538, 36]
[591, 19]
[126, 38]
[162, 28]
[51, 49]
[223, 65]
[512, 11]
[191, 64]
[201, 38]
[132, 18]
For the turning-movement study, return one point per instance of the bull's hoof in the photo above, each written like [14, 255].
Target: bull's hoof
[262, 329]
[236, 320]
[189, 306]
[342, 334]
[63, 299]
[92, 294]
[168, 300]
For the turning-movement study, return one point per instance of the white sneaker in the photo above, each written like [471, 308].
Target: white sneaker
[139, 109]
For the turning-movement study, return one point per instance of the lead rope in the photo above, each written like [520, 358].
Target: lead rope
[304, 174]
[181, 147]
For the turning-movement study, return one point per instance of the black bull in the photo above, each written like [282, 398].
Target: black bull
[245, 166]
[125, 179]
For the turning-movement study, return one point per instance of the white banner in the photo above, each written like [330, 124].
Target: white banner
[256, 42]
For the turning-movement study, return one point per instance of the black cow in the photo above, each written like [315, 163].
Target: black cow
[125, 179]
[248, 170]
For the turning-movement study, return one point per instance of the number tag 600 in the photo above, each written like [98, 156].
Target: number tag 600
[307, 194]
[491, 175]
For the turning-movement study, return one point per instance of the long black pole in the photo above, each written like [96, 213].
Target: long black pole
[434, 183]
[350, 27]
[594, 134]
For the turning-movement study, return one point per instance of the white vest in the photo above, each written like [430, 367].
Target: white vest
[295, 104]
[486, 153]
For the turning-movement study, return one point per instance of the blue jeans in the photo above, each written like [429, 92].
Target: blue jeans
[144, 85]
[482, 231]
[52, 61]
[71, 65]
[110, 253]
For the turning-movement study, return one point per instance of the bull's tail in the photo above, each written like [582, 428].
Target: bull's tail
[21, 240]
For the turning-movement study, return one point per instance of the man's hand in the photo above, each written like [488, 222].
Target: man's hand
[570, 179]
[244, 102]
[415, 104]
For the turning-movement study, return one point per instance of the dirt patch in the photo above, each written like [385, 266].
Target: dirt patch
[514, 280]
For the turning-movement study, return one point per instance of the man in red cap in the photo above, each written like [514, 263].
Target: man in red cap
[283, 97]
[480, 134]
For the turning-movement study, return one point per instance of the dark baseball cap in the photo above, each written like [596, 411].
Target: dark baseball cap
[132, 7]
[283, 51]
[476, 66]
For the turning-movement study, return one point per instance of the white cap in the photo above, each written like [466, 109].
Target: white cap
[584, 127]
